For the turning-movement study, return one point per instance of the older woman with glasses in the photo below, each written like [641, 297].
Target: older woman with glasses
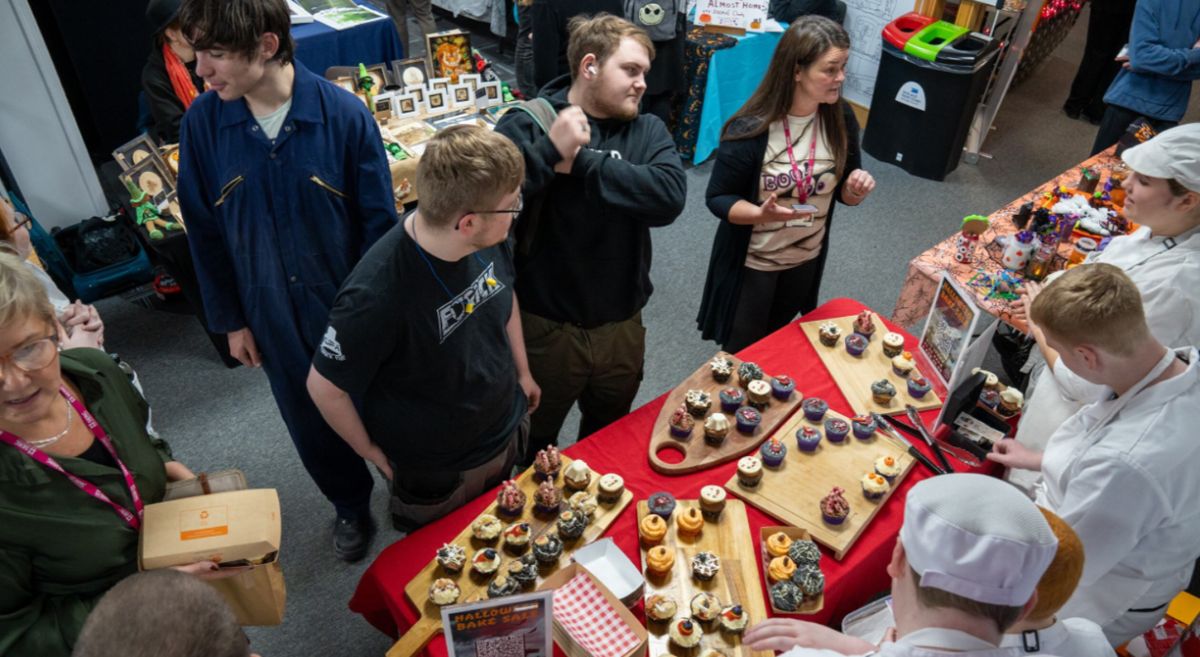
[76, 468]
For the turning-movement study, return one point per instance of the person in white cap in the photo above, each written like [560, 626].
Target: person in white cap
[965, 568]
[1163, 259]
[1119, 471]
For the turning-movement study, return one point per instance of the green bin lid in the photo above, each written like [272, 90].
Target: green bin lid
[929, 41]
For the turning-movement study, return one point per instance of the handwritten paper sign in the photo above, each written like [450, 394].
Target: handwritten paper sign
[749, 15]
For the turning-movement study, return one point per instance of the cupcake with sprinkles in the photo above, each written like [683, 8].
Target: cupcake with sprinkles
[748, 420]
[834, 507]
[748, 372]
[855, 344]
[863, 426]
[681, 422]
[808, 438]
[772, 453]
[814, 409]
[782, 387]
[836, 429]
[721, 368]
[731, 399]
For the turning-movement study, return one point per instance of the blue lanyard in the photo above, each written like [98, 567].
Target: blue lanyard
[491, 282]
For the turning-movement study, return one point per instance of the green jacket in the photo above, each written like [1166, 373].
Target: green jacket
[60, 549]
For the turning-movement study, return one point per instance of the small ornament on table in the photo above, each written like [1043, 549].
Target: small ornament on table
[1088, 179]
[972, 227]
[1018, 251]
[1023, 215]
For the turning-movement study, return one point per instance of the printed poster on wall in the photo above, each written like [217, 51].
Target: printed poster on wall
[748, 15]
[512, 626]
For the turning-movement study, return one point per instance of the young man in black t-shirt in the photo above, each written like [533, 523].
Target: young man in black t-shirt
[425, 336]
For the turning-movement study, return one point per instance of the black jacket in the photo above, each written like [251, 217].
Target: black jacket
[735, 177]
[591, 261]
[165, 108]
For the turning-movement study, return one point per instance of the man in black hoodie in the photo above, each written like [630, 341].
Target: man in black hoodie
[595, 183]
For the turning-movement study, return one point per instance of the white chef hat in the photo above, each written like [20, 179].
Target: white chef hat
[977, 537]
[1173, 153]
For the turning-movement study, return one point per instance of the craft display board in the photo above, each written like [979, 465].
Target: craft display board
[855, 374]
[473, 586]
[698, 454]
[736, 582]
[810, 606]
[793, 491]
[739, 15]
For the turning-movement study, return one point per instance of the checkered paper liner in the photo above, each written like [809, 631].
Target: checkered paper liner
[592, 622]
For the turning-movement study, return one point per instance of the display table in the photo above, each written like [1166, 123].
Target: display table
[319, 46]
[621, 447]
[722, 72]
[925, 270]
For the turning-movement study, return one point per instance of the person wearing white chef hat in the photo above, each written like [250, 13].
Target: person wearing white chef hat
[966, 567]
[1119, 471]
[1163, 259]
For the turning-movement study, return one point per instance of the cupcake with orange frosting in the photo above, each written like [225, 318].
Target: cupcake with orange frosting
[652, 528]
[778, 544]
[780, 569]
[689, 523]
[659, 560]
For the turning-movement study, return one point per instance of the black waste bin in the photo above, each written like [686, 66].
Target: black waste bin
[922, 110]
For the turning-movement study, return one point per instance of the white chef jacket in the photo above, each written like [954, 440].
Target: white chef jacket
[1070, 637]
[1169, 280]
[1120, 472]
[927, 642]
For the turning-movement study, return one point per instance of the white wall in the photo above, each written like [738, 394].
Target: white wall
[38, 134]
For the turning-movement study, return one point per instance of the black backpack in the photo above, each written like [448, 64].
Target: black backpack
[543, 115]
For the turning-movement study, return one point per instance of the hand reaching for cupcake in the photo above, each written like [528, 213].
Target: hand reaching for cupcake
[857, 187]
[782, 634]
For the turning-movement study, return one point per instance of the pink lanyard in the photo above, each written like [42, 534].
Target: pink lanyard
[134, 521]
[802, 187]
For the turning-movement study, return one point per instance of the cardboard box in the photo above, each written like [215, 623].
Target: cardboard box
[564, 639]
[235, 528]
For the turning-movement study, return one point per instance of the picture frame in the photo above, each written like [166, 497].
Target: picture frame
[460, 96]
[135, 150]
[379, 75]
[438, 83]
[449, 54]
[346, 82]
[410, 72]
[152, 177]
[382, 105]
[437, 101]
[473, 79]
[489, 94]
[407, 105]
[419, 92]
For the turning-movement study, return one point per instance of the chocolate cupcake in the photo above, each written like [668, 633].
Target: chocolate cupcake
[721, 368]
[510, 501]
[547, 548]
[698, 402]
[546, 464]
[547, 499]
[571, 524]
[786, 596]
[748, 372]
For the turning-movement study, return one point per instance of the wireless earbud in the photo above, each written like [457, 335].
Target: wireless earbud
[591, 69]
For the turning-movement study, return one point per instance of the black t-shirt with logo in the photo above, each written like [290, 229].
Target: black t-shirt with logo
[436, 385]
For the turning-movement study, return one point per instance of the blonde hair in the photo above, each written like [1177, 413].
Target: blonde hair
[1062, 576]
[466, 168]
[1095, 304]
[601, 35]
[22, 295]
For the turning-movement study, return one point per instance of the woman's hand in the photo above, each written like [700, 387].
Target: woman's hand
[857, 187]
[1012, 454]
[177, 471]
[782, 634]
[771, 210]
[209, 570]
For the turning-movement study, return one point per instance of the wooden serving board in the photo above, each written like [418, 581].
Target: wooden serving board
[473, 587]
[737, 581]
[792, 492]
[855, 374]
[699, 455]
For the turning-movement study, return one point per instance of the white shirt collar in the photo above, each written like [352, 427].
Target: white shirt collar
[1037, 641]
[944, 639]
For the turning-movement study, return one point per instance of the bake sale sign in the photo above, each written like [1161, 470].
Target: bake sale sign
[743, 14]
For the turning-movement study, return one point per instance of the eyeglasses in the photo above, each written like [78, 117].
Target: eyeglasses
[514, 212]
[23, 221]
[31, 356]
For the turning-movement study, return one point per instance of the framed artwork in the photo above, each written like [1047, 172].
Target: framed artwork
[461, 96]
[136, 150]
[383, 104]
[438, 83]
[449, 54]
[346, 82]
[473, 79]
[489, 94]
[150, 175]
[409, 72]
[436, 101]
[379, 76]
[406, 106]
[419, 92]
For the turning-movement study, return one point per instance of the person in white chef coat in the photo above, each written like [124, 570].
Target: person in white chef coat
[1119, 471]
[1163, 259]
[965, 569]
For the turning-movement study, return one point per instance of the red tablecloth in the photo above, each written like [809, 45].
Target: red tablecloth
[621, 447]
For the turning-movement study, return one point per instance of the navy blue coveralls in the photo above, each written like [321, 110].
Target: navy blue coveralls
[274, 227]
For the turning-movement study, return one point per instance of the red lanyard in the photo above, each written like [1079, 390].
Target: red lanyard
[134, 521]
[802, 186]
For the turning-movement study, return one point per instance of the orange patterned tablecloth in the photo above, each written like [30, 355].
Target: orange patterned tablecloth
[925, 270]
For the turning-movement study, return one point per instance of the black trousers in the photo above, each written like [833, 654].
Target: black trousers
[768, 301]
[1116, 121]
[1107, 32]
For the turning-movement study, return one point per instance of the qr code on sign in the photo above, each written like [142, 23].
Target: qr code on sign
[504, 646]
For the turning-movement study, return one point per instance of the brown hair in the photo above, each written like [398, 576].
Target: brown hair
[22, 295]
[1093, 304]
[466, 168]
[1062, 576]
[601, 36]
[805, 41]
[237, 25]
[1177, 188]
[1002, 615]
[161, 612]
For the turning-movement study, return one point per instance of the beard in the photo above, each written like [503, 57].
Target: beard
[616, 110]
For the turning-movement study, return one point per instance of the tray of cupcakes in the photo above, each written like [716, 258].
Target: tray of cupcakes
[792, 563]
[724, 409]
[873, 367]
[525, 536]
[702, 585]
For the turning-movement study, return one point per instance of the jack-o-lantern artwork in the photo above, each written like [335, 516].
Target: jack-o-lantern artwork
[450, 55]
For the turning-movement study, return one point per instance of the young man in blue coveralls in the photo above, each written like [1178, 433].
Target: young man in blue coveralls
[284, 183]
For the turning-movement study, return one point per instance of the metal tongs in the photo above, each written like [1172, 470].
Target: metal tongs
[887, 427]
[915, 418]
